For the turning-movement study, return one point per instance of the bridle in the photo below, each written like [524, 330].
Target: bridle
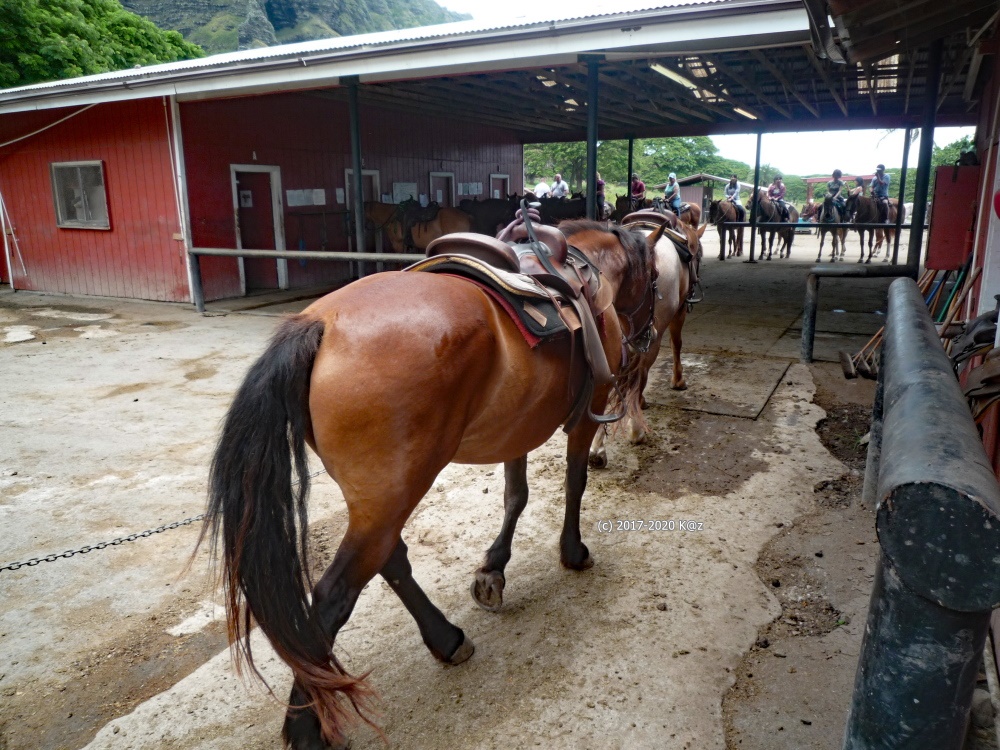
[641, 339]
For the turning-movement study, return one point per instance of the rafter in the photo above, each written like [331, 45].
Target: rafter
[652, 106]
[725, 70]
[780, 77]
[648, 113]
[643, 75]
[818, 67]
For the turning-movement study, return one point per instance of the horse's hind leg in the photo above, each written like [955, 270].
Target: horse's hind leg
[313, 703]
[487, 588]
[446, 641]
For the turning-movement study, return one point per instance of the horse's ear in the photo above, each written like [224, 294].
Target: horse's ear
[701, 230]
[657, 235]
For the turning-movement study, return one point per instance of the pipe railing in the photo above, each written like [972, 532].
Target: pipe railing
[938, 524]
[809, 309]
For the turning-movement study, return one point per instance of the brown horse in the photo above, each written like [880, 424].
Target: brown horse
[389, 380]
[865, 210]
[387, 217]
[668, 313]
[767, 211]
[489, 215]
[721, 213]
[830, 214]
[625, 205]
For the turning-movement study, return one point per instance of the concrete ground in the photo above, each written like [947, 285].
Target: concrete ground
[109, 414]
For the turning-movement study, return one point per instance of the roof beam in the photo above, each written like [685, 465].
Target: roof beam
[728, 72]
[643, 76]
[818, 67]
[649, 112]
[717, 91]
[780, 77]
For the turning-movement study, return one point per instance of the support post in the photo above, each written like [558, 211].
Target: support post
[902, 196]
[924, 159]
[357, 183]
[753, 207]
[628, 176]
[592, 94]
[809, 316]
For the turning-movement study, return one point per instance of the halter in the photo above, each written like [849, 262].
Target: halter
[642, 338]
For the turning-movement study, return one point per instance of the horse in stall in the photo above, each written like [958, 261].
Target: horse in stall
[389, 218]
[665, 311]
[865, 210]
[556, 210]
[829, 214]
[489, 215]
[721, 213]
[768, 212]
[389, 379]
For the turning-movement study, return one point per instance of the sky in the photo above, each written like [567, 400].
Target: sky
[853, 152]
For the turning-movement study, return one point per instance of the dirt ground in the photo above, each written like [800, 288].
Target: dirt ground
[739, 627]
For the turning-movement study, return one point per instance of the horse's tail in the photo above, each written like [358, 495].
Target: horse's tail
[260, 516]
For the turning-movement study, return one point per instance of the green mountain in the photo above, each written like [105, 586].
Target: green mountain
[228, 25]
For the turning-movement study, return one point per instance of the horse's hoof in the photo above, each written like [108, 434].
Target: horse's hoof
[463, 652]
[642, 402]
[598, 459]
[681, 386]
[585, 563]
[487, 590]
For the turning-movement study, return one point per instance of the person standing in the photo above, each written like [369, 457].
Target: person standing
[776, 192]
[559, 188]
[599, 199]
[541, 189]
[733, 196]
[880, 192]
[637, 193]
[672, 194]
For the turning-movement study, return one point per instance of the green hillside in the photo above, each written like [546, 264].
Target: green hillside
[228, 25]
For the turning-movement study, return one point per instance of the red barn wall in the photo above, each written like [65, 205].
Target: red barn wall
[138, 257]
[307, 135]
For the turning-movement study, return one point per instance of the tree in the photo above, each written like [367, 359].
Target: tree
[44, 40]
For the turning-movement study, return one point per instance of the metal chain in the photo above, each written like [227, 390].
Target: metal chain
[114, 542]
[100, 545]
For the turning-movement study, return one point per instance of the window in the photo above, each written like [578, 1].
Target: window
[80, 198]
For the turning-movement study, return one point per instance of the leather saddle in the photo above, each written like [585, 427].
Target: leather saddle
[575, 287]
[653, 219]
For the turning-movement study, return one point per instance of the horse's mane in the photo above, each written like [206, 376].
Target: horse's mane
[637, 252]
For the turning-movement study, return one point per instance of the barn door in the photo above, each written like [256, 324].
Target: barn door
[443, 189]
[259, 226]
[499, 186]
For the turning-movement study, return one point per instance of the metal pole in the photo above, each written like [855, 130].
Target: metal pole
[924, 159]
[592, 93]
[628, 177]
[808, 316]
[902, 195]
[753, 212]
[357, 183]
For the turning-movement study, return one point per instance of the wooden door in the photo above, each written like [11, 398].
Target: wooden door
[443, 189]
[255, 216]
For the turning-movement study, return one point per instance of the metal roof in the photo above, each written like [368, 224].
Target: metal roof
[686, 67]
[396, 54]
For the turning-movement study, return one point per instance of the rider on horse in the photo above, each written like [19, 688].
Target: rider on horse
[776, 192]
[880, 192]
[672, 194]
[835, 190]
[637, 193]
[733, 196]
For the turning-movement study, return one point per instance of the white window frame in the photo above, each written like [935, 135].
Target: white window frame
[64, 223]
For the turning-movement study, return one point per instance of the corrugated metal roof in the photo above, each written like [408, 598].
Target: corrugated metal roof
[386, 41]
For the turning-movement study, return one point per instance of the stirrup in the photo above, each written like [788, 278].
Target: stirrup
[694, 297]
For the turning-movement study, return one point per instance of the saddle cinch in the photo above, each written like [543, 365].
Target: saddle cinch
[542, 303]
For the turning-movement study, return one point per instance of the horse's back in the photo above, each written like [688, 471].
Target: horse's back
[407, 352]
